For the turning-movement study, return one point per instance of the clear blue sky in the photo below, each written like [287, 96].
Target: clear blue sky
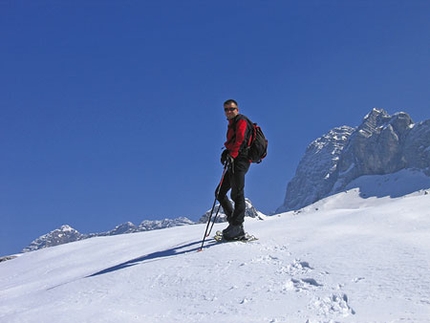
[111, 111]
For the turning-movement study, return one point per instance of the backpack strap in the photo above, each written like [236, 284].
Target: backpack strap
[249, 135]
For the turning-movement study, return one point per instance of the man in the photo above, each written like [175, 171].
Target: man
[235, 155]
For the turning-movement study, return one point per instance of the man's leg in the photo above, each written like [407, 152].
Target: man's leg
[222, 196]
[241, 167]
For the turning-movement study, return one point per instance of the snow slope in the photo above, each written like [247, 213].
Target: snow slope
[344, 259]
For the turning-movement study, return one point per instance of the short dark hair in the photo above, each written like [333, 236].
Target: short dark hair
[229, 101]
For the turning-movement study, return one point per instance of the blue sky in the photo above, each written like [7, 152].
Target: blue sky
[111, 111]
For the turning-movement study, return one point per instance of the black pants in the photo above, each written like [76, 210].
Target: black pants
[235, 180]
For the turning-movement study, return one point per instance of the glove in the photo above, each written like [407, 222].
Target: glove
[226, 158]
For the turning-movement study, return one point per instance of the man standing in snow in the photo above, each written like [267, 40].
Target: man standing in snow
[238, 134]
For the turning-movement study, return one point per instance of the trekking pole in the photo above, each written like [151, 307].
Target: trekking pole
[219, 206]
[208, 224]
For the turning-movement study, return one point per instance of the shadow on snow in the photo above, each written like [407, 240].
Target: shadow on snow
[175, 251]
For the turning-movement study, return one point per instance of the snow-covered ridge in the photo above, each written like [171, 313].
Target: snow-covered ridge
[349, 257]
[66, 233]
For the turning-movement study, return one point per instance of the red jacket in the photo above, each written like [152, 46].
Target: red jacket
[236, 135]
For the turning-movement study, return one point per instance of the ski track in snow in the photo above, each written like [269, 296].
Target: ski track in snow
[365, 264]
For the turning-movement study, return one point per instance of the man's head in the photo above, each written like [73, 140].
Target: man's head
[231, 109]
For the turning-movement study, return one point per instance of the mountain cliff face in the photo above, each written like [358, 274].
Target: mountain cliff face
[382, 144]
[315, 174]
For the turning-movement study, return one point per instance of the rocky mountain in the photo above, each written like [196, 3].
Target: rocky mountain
[62, 235]
[382, 144]
[66, 233]
[250, 212]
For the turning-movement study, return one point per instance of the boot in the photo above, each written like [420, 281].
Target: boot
[233, 232]
[227, 229]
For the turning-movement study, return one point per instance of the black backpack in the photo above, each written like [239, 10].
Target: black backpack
[257, 144]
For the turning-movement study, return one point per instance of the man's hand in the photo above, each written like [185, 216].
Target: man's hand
[226, 158]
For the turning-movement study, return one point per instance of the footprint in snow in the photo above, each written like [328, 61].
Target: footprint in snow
[334, 304]
[298, 267]
[302, 284]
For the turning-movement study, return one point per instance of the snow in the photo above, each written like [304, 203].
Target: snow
[343, 259]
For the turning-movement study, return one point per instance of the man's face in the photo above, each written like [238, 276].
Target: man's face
[231, 110]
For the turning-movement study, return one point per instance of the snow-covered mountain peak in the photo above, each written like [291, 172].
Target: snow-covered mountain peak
[382, 144]
[62, 235]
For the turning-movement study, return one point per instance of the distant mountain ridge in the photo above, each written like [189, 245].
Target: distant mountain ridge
[382, 144]
[66, 233]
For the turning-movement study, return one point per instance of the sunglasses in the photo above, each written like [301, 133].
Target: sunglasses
[229, 109]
